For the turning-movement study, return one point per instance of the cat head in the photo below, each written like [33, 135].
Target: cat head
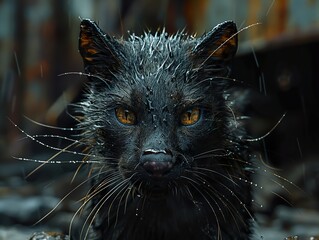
[155, 104]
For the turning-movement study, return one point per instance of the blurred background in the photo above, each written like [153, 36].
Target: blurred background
[278, 60]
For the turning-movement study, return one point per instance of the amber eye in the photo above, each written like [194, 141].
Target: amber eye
[125, 116]
[190, 116]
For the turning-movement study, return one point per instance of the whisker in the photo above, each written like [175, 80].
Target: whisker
[212, 197]
[210, 187]
[217, 173]
[53, 136]
[61, 150]
[192, 182]
[128, 194]
[233, 115]
[55, 161]
[49, 126]
[265, 135]
[99, 205]
[111, 205]
[52, 157]
[88, 197]
[106, 81]
[210, 151]
[67, 195]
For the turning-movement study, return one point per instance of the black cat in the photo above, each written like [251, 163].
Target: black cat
[160, 124]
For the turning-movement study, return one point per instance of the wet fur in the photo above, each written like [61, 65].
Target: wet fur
[158, 77]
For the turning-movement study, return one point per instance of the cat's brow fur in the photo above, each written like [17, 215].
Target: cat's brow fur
[158, 77]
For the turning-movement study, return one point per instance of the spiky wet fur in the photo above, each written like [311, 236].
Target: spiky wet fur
[158, 77]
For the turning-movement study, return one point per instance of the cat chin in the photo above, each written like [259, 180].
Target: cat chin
[153, 187]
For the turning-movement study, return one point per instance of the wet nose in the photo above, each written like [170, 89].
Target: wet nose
[157, 162]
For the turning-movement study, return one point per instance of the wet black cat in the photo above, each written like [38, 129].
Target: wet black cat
[160, 123]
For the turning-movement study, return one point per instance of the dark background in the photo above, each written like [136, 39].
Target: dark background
[277, 60]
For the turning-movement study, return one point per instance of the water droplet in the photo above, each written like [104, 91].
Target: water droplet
[149, 105]
[187, 77]
[154, 118]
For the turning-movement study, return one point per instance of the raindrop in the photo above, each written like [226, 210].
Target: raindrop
[149, 105]
[187, 77]
[17, 63]
[154, 118]
[13, 104]
[41, 70]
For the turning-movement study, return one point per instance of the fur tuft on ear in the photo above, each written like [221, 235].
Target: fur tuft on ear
[220, 44]
[98, 48]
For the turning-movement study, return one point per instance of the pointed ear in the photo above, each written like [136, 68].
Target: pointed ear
[220, 44]
[98, 48]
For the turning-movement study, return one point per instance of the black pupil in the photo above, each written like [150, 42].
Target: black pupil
[126, 112]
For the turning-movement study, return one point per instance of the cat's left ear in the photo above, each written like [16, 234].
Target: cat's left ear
[98, 49]
[218, 45]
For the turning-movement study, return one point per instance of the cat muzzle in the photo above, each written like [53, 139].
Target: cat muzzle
[157, 163]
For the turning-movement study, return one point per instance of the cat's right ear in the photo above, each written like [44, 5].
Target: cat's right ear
[98, 48]
[217, 47]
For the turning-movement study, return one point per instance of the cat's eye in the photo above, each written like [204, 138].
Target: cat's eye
[190, 117]
[125, 116]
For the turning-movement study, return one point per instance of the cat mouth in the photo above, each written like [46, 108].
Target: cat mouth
[157, 170]
[155, 190]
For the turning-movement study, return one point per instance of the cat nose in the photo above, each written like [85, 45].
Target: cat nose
[157, 162]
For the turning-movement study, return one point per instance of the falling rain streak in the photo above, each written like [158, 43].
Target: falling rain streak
[17, 63]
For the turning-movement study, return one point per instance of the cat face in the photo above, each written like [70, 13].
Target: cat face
[156, 103]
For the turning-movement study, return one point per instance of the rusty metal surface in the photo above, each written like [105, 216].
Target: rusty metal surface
[276, 20]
